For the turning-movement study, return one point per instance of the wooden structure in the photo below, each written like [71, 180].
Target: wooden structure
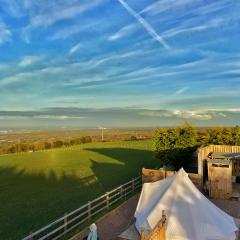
[220, 178]
[152, 175]
[159, 231]
[217, 164]
[204, 152]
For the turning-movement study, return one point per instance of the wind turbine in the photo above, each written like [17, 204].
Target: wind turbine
[102, 128]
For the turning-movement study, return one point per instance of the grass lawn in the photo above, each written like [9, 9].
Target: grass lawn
[36, 188]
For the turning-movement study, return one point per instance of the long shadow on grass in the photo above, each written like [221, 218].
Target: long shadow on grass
[29, 201]
[129, 163]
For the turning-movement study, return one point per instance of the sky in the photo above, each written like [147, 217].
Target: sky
[119, 63]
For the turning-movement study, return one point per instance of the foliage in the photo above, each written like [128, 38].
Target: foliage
[222, 136]
[175, 146]
[42, 145]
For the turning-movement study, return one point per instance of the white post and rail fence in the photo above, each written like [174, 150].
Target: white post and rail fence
[84, 214]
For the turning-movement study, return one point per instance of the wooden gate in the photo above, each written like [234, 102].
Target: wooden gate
[220, 180]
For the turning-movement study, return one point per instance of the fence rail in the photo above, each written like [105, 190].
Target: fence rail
[85, 213]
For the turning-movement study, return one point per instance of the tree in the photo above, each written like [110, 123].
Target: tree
[58, 143]
[236, 135]
[175, 146]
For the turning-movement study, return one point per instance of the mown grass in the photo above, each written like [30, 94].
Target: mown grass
[36, 188]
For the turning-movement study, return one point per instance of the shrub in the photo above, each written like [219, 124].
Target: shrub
[175, 146]
[86, 139]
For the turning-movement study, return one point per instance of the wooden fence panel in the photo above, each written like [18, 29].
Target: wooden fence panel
[152, 175]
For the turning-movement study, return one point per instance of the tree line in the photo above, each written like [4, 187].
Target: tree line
[176, 146]
[43, 145]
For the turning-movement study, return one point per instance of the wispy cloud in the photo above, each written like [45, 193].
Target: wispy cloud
[69, 31]
[124, 31]
[57, 117]
[29, 60]
[46, 15]
[164, 5]
[5, 33]
[14, 8]
[185, 28]
[28, 76]
[15, 78]
[61, 113]
[75, 48]
[145, 24]
[181, 90]
[202, 115]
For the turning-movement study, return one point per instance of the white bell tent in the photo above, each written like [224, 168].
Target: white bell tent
[190, 215]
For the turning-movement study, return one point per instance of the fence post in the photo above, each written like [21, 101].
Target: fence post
[89, 211]
[121, 192]
[133, 184]
[107, 200]
[65, 222]
[31, 236]
[163, 227]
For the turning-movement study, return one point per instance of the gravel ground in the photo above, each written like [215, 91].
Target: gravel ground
[115, 222]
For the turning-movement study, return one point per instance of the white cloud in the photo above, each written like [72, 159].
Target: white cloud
[124, 31]
[145, 24]
[181, 90]
[231, 110]
[164, 5]
[182, 114]
[203, 114]
[75, 48]
[192, 115]
[15, 78]
[30, 75]
[117, 55]
[185, 28]
[58, 117]
[29, 60]
[5, 33]
[49, 13]
[64, 33]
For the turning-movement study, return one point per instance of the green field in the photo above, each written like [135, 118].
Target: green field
[38, 187]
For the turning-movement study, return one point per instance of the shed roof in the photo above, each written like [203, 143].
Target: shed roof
[224, 155]
[220, 161]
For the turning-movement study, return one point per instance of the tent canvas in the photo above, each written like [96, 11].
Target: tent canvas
[190, 215]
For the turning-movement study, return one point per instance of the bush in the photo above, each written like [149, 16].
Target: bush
[175, 146]
[86, 139]
[57, 143]
[133, 138]
[222, 136]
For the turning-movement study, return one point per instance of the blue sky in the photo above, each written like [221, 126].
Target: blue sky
[119, 63]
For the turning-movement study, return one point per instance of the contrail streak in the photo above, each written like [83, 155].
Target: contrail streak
[145, 24]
